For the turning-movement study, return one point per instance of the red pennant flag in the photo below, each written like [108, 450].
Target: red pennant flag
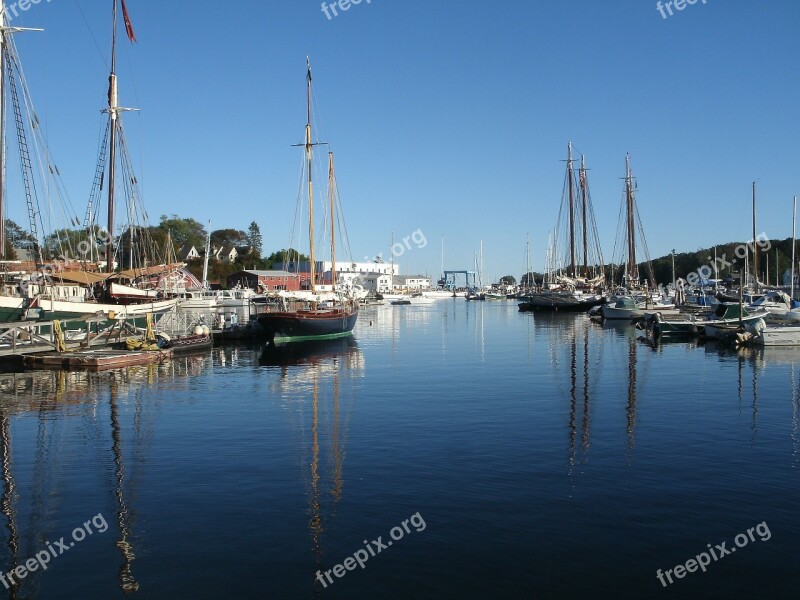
[128, 26]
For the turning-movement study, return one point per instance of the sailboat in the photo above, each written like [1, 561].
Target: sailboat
[626, 303]
[91, 292]
[314, 320]
[73, 294]
[578, 281]
[40, 181]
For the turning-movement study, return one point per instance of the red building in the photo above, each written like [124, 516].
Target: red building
[268, 281]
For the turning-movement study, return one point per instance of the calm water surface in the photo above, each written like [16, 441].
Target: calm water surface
[529, 456]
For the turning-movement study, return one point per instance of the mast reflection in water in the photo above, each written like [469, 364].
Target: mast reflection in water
[58, 413]
[242, 472]
[318, 366]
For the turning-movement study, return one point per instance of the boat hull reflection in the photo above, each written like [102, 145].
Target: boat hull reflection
[308, 352]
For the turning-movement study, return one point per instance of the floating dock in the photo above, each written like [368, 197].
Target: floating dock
[96, 360]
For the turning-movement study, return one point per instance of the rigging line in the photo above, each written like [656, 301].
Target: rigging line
[593, 222]
[44, 164]
[298, 213]
[25, 160]
[100, 52]
[340, 218]
[644, 244]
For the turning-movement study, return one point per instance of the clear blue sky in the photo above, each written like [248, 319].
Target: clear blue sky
[449, 117]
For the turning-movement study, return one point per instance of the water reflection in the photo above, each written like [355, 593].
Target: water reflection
[319, 367]
[128, 582]
[32, 398]
[576, 347]
[7, 502]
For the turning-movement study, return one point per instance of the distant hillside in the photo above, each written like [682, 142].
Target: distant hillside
[687, 262]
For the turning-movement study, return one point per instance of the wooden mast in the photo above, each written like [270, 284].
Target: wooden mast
[112, 148]
[2, 130]
[309, 147]
[583, 204]
[572, 270]
[331, 194]
[755, 251]
[631, 208]
[794, 222]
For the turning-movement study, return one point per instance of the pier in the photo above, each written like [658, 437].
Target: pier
[34, 337]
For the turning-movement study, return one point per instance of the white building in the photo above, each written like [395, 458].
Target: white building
[412, 282]
[364, 268]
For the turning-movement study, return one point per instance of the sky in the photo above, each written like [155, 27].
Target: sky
[447, 118]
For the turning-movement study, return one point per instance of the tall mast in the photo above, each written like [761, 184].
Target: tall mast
[571, 270]
[583, 205]
[112, 148]
[331, 184]
[309, 147]
[207, 253]
[480, 269]
[2, 130]
[794, 221]
[631, 208]
[755, 252]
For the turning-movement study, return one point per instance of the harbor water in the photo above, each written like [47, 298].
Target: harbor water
[456, 450]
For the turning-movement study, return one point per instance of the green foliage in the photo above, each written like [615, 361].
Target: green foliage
[255, 240]
[17, 237]
[508, 280]
[289, 255]
[183, 231]
[687, 262]
[229, 237]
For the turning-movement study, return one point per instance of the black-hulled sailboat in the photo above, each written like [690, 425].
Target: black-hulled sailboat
[315, 319]
[575, 286]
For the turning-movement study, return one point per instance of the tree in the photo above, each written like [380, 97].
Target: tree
[228, 237]
[528, 280]
[16, 237]
[283, 256]
[184, 231]
[255, 240]
[149, 245]
[508, 280]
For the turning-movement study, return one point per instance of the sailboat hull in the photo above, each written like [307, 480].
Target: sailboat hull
[302, 325]
[559, 301]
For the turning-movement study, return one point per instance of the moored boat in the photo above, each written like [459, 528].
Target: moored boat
[316, 320]
[624, 308]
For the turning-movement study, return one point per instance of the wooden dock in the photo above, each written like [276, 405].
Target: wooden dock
[95, 360]
[22, 338]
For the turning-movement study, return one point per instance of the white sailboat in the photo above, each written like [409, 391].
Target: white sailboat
[96, 292]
